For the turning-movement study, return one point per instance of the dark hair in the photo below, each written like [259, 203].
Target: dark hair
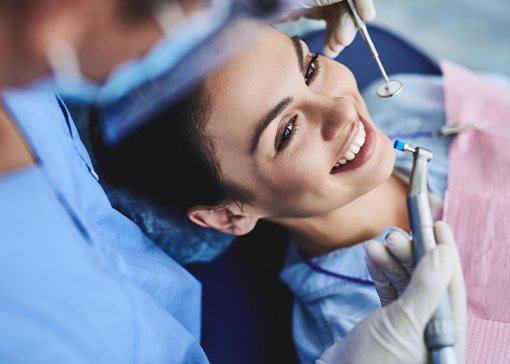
[169, 159]
[136, 10]
[140, 10]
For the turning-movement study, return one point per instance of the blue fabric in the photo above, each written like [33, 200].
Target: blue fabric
[79, 281]
[183, 240]
[326, 308]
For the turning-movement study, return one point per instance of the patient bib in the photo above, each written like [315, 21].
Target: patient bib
[477, 205]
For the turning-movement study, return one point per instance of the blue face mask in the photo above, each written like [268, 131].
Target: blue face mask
[172, 69]
[139, 88]
[183, 35]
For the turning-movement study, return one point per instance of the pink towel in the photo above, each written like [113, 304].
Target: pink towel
[477, 206]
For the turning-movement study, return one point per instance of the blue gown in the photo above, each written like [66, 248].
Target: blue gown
[79, 282]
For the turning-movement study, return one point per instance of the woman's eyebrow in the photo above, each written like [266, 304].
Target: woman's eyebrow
[266, 120]
[298, 47]
[278, 108]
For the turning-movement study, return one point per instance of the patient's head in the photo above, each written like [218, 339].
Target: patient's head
[274, 133]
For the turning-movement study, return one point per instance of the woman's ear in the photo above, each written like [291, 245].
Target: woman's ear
[229, 219]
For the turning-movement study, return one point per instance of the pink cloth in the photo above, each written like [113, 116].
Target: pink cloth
[477, 207]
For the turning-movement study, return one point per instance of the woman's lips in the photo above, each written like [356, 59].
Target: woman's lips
[365, 152]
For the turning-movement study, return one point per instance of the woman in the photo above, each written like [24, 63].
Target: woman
[282, 135]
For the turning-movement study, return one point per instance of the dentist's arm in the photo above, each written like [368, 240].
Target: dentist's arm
[394, 333]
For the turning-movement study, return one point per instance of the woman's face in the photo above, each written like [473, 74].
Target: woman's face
[294, 131]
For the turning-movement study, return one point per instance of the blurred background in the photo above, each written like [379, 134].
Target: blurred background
[473, 33]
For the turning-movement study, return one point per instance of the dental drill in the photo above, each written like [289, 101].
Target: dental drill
[440, 331]
[389, 87]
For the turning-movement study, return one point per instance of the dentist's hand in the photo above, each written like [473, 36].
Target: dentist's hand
[340, 29]
[394, 333]
[390, 265]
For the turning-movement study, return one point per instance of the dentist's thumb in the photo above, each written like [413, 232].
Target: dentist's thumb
[439, 272]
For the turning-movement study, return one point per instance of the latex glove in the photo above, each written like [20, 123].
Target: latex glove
[394, 333]
[390, 265]
[340, 29]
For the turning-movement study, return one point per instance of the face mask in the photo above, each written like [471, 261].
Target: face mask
[191, 50]
[139, 88]
[183, 34]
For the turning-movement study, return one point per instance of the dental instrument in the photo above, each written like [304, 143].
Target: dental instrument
[440, 331]
[389, 87]
[448, 130]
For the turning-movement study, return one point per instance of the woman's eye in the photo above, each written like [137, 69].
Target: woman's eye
[286, 135]
[311, 69]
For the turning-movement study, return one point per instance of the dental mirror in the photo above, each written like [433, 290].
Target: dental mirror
[389, 88]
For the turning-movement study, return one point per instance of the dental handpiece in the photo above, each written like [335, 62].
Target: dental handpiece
[440, 331]
[389, 87]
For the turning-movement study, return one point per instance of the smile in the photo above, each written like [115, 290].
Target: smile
[354, 148]
[358, 149]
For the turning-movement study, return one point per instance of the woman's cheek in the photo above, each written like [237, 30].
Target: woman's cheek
[308, 170]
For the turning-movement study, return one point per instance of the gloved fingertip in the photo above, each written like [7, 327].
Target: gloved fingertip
[366, 9]
[397, 238]
[332, 53]
[373, 245]
[376, 252]
[444, 234]
[368, 259]
[369, 14]
[440, 224]
[345, 30]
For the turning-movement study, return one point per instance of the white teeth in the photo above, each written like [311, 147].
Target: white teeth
[349, 156]
[359, 140]
[341, 162]
[354, 148]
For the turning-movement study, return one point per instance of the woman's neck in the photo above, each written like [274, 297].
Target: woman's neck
[363, 219]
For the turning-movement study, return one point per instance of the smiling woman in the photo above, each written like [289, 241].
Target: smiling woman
[277, 134]
[280, 122]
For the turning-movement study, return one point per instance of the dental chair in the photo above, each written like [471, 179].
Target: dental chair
[246, 315]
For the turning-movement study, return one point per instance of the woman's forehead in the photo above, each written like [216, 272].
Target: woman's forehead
[254, 59]
[251, 82]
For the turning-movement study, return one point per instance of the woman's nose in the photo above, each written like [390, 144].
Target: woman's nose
[337, 114]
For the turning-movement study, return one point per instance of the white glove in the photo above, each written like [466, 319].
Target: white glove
[390, 265]
[340, 29]
[394, 333]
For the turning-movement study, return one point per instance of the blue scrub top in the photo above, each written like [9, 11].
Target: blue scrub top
[79, 282]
